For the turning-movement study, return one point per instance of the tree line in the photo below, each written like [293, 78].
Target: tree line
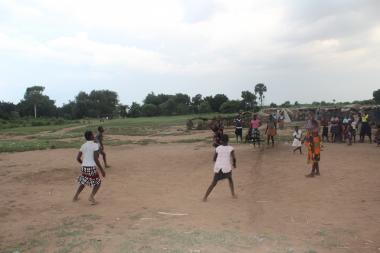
[105, 103]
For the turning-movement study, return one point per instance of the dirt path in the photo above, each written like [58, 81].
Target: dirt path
[278, 209]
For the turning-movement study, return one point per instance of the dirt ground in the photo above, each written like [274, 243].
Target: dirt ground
[150, 201]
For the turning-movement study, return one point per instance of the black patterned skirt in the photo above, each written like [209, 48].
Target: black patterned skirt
[89, 176]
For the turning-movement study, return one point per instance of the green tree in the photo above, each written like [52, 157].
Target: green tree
[6, 110]
[168, 107]
[36, 103]
[286, 104]
[195, 102]
[230, 106]
[149, 110]
[376, 96]
[273, 105]
[248, 100]
[134, 110]
[103, 103]
[216, 101]
[204, 107]
[82, 105]
[260, 89]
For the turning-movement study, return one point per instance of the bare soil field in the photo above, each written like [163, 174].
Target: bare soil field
[150, 201]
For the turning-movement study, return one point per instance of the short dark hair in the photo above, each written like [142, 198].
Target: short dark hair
[100, 129]
[225, 138]
[88, 135]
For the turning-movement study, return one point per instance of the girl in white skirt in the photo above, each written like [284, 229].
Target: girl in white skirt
[297, 140]
[88, 157]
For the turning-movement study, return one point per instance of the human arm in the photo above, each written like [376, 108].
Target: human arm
[215, 156]
[79, 157]
[233, 158]
[98, 164]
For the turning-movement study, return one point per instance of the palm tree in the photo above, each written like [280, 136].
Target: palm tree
[260, 88]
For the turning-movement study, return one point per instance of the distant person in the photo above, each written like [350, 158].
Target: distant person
[366, 128]
[99, 139]
[224, 159]
[255, 132]
[325, 129]
[88, 157]
[334, 128]
[354, 127]
[377, 135]
[238, 128]
[271, 130]
[281, 120]
[313, 144]
[297, 140]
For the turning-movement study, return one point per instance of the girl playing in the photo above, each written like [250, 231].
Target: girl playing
[222, 168]
[313, 143]
[271, 130]
[255, 133]
[99, 140]
[88, 157]
[297, 143]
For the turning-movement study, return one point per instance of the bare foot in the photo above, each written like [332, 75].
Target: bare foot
[309, 175]
[204, 199]
[234, 196]
[75, 199]
[107, 166]
[92, 200]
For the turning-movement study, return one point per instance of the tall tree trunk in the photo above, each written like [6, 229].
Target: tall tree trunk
[35, 111]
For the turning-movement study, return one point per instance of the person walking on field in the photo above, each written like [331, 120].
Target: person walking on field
[99, 140]
[224, 159]
[271, 130]
[297, 140]
[88, 157]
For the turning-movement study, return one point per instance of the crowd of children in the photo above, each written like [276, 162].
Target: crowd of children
[224, 157]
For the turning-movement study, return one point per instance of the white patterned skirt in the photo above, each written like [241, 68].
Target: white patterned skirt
[89, 176]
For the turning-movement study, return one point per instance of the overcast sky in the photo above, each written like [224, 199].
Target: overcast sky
[303, 50]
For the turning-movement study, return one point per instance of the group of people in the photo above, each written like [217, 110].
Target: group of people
[345, 129]
[253, 136]
[224, 156]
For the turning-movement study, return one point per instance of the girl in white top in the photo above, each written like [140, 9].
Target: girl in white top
[224, 159]
[297, 141]
[88, 157]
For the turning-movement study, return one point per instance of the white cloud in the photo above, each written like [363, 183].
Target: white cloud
[214, 41]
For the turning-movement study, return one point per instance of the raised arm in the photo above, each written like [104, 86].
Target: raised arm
[96, 158]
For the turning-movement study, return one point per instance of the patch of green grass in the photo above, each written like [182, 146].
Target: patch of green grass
[29, 130]
[28, 145]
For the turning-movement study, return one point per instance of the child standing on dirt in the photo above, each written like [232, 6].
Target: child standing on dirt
[313, 143]
[239, 129]
[223, 168]
[99, 140]
[88, 157]
[297, 140]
